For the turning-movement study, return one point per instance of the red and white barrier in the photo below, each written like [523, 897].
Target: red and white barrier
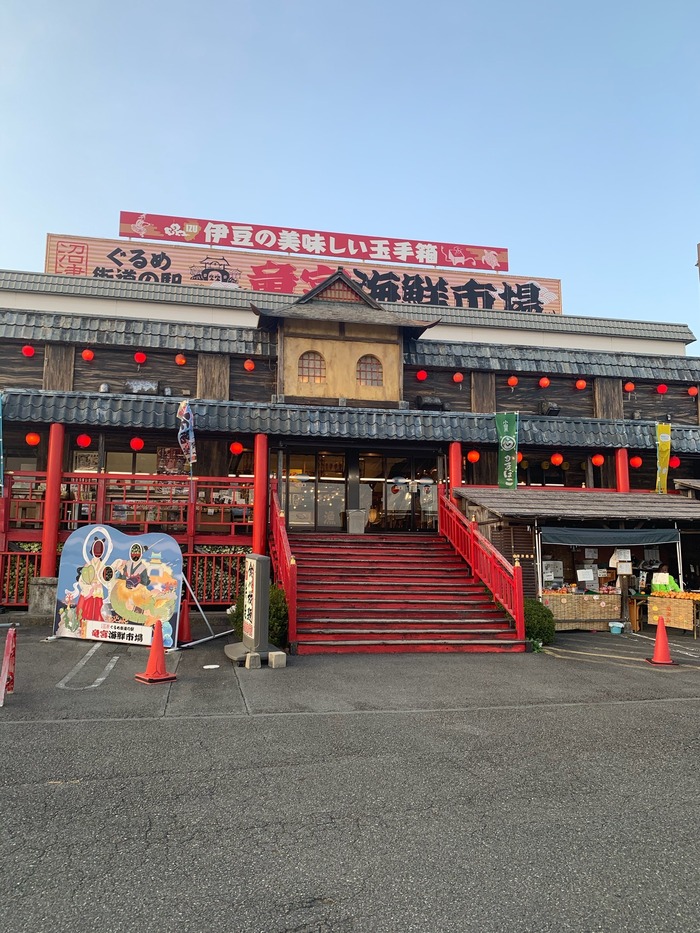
[7, 675]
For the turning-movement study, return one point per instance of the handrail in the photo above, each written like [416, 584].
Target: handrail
[284, 564]
[503, 579]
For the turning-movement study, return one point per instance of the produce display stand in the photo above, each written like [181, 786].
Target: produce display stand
[682, 612]
[585, 611]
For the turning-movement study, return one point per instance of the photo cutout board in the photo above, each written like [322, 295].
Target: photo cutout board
[115, 587]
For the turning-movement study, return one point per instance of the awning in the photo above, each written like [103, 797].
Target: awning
[613, 537]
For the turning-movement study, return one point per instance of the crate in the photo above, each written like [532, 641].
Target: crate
[589, 611]
[677, 613]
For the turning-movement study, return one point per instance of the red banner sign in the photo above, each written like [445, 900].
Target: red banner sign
[356, 248]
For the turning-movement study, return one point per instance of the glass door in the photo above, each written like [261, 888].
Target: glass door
[313, 491]
[398, 493]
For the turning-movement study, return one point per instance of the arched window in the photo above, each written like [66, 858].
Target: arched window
[312, 367]
[369, 371]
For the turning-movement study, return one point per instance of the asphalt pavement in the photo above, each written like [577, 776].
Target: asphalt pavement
[552, 791]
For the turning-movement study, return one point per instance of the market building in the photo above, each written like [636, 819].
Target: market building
[376, 424]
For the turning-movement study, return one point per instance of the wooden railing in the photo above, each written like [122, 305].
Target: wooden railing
[504, 580]
[17, 570]
[283, 564]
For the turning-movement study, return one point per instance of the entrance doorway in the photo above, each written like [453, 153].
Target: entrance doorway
[398, 493]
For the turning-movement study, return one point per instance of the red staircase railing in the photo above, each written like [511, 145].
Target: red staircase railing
[504, 580]
[284, 564]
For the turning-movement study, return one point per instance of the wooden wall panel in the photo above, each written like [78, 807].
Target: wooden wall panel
[483, 391]
[213, 376]
[20, 372]
[527, 397]
[58, 367]
[607, 398]
[647, 404]
[213, 456]
[258, 386]
[116, 366]
[439, 384]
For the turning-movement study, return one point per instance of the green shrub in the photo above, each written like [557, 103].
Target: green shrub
[539, 622]
[279, 617]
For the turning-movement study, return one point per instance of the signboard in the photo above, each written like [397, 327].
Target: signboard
[507, 429]
[291, 275]
[663, 453]
[335, 246]
[115, 587]
[256, 602]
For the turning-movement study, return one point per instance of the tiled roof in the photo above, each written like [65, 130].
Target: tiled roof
[580, 505]
[78, 328]
[348, 312]
[500, 358]
[241, 298]
[334, 422]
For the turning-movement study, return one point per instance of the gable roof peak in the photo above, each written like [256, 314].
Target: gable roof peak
[340, 277]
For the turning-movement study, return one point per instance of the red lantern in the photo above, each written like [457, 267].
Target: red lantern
[693, 391]
[421, 375]
[674, 462]
[473, 456]
[581, 384]
[662, 388]
[181, 359]
[249, 366]
[236, 448]
[519, 458]
[557, 459]
[629, 387]
[512, 381]
[32, 438]
[28, 351]
[458, 377]
[83, 440]
[544, 382]
[597, 460]
[88, 355]
[635, 462]
[140, 357]
[136, 443]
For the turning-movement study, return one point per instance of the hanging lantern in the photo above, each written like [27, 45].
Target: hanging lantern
[693, 391]
[249, 366]
[635, 462]
[236, 448]
[544, 382]
[28, 351]
[545, 464]
[140, 357]
[83, 440]
[458, 378]
[557, 459]
[629, 387]
[32, 438]
[566, 465]
[519, 457]
[181, 359]
[524, 464]
[421, 375]
[674, 462]
[88, 355]
[597, 460]
[580, 384]
[512, 381]
[662, 388]
[473, 456]
[136, 443]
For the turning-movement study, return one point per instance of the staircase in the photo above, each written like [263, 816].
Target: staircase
[389, 593]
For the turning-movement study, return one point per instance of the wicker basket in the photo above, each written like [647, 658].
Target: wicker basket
[588, 611]
[677, 613]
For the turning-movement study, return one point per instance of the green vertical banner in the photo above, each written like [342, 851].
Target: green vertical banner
[663, 453]
[507, 430]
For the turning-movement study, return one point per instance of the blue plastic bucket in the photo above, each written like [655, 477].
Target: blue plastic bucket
[616, 628]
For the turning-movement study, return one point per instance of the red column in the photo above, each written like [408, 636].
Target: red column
[622, 472]
[455, 466]
[261, 469]
[52, 502]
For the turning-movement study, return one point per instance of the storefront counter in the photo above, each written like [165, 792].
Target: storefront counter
[587, 611]
[682, 612]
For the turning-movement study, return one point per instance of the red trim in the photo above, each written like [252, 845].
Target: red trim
[52, 502]
[455, 467]
[260, 494]
[622, 471]
[284, 564]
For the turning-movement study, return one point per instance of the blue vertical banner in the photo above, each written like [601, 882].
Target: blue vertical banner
[507, 430]
[185, 434]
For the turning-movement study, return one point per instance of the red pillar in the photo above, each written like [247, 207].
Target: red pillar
[52, 501]
[455, 467]
[261, 469]
[622, 472]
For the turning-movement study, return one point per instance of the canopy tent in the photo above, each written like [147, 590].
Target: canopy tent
[614, 537]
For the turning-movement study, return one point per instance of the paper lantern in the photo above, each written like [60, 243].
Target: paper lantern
[473, 456]
[181, 359]
[136, 443]
[512, 381]
[88, 355]
[662, 388]
[249, 366]
[28, 351]
[544, 382]
[545, 464]
[83, 440]
[635, 462]
[421, 375]
[629, 387]
[519, 458]
[525, 464]
[140, 357]
[557, 459]
[580, 384]
[597, 460]
[458, 377]
[693, 391]
[32, 439]
[236, 448]
[674, 462]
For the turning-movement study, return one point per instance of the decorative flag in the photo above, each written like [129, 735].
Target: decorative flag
[185, 434]
[507, 430]
[663, 452]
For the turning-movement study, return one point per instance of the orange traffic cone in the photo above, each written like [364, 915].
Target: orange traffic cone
[155, 672]
[661, 653]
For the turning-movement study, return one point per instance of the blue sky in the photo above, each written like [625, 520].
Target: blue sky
[566, 132]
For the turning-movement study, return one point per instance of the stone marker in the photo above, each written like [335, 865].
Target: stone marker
[252, 660]
[276, 659]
